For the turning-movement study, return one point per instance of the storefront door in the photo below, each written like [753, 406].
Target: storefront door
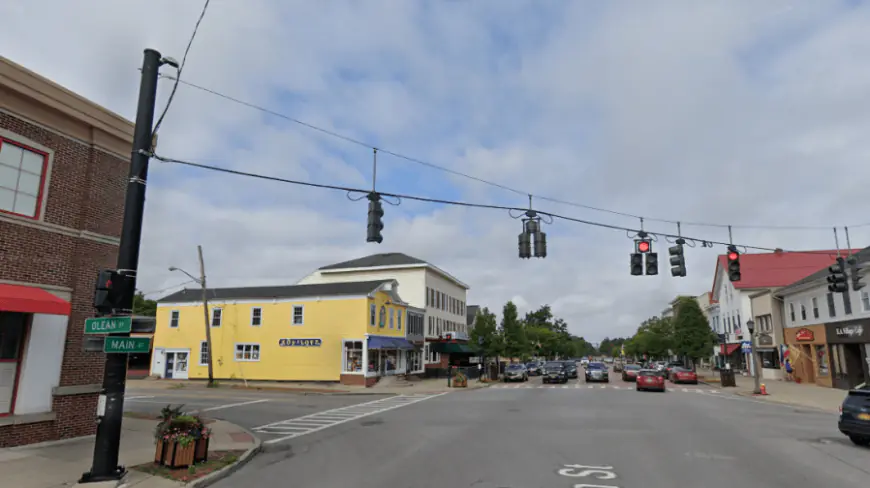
[849, 339]
[176, 365]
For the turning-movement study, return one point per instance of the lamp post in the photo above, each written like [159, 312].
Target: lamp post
[202, 283]
[750, 326]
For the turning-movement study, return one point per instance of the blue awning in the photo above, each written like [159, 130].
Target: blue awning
[384, 342]
[403, 344]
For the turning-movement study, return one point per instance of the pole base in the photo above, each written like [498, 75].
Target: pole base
[116, 475]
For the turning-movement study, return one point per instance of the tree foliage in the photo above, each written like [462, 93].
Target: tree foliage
[485, 334]
[516, 343]
[144, 306]
[692, 335]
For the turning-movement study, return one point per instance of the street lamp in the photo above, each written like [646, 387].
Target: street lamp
[201, 282]
[750, 326]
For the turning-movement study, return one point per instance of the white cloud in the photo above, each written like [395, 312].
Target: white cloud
[731, 112]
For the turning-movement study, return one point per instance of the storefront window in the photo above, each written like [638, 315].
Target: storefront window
[822, 355]
[353, 356]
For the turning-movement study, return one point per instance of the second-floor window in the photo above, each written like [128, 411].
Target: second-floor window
[373, 315]
[815, 307]
[391, 318]
[216, 315]
[399, 319]
[382, 319]
[865, 301]
[791, 312]
[256, 316]
[173, 319]
[22, 179]
[832, 308]
[298, 315]
[803, 312]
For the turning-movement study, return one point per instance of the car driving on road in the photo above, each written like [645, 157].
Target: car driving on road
[629, 372]
[571, 369]
[597, 372]
[683, 375]
[855, 415]
[648, 379]
[555, 372]
[516, 372]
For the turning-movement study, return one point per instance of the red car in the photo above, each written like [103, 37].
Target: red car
[683, 375]
[648, 379]
[629, 372]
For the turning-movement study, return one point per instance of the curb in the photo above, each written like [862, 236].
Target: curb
[220, 474]
[761, 398]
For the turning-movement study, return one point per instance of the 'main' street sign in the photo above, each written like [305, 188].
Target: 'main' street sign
[108, 325]
[127, 345]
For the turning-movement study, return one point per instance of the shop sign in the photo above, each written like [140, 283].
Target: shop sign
[300, 342]
[850, 331]
[765, 340]
[805, 335]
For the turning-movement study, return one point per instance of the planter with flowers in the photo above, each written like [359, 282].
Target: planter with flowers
[182, 440]
[460, 380]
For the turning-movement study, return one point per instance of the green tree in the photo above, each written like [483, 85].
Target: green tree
[144, 306]
[485, 334]
[654, 338]
[516, 343]
[693, 337]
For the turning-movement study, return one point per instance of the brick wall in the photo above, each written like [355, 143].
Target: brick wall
[86, 192]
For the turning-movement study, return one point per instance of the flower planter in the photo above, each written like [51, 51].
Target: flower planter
[174, 455]
[201, 453]
[181, 439]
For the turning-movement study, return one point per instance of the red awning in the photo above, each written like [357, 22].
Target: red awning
[728, 349]
[28, 299]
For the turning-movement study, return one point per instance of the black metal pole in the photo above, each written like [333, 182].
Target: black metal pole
[108, 440]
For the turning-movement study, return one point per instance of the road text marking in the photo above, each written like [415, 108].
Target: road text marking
[598, 472]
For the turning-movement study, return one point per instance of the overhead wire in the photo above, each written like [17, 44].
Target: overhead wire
[167, 288]
[444, 169]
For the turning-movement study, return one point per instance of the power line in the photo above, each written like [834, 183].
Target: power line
[401, 196]
[180, 69]
[412, 159]
[167, 288]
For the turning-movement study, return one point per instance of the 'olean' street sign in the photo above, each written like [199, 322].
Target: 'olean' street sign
[127, 345]
[108, 325]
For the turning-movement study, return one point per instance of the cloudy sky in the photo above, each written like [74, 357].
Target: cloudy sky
[748, 113]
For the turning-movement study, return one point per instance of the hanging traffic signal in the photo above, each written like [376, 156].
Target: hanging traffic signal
[375, 224]
[540, 244]
[525, 240]
[733, 263]
[854, 273]
[678, 259]
[837, 279]
[652, 263]
[636, 264]
[643, 245]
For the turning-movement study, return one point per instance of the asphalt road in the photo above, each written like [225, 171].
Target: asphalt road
[530, 437]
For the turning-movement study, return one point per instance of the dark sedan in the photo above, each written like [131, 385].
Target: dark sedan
[555, 372]
[855, 415]
[571, 368]
[597, 372]
[629, 372]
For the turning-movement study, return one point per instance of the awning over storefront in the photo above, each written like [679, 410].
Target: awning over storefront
[451, 347]
[728, 349]
[29, 299]
[384, 342]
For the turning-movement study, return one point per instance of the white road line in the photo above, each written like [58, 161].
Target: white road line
[137, 397]
[231, 405]
[387, 403]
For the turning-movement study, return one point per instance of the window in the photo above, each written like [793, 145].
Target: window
[815, 307]
[847, 303]
[383, 317]
[431, 329]
[216, 315]
[803, 311]
[298, 314]
[203, 353]
[399, 319]
[22, 178]
[438, 299]
[832, 309]
[391, 318]
[353, 357]
[822, 354]
[256, 316]
[791, 311]
[431, 297]
[865, 301]
[373, 312]
[247, 352]
[428, 296]
[173, 319]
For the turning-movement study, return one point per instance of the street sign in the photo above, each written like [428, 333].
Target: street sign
[127, 345]
[108, 325]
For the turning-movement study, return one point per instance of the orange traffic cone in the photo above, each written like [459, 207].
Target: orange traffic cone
[763, 389]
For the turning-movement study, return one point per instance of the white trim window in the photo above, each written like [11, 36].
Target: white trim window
[399, 319]
[173, 319]
[373, 315]
[815, 302]
[391, 318]
[256, 316]
[203, 353]
[217, 315]
[22, 179]
[247, 352]
[865, 300]
[803, 311]
[791, 312]
[298, 314]
[353, 356]
[382, 318]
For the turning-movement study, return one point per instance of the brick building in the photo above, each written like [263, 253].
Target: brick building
[63, 167]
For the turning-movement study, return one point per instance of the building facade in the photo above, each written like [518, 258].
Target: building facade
[64, 163]
[350, 332]
[768, 318]
[423, 285]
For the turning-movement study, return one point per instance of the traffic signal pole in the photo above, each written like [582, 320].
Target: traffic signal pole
[107, 444]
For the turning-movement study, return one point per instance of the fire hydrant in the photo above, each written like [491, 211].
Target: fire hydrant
[763, 389]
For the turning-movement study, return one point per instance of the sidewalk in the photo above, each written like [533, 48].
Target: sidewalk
[387, 386]
[61, 464]
[811, 396]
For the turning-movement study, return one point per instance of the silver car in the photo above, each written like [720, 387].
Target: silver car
[516, 372]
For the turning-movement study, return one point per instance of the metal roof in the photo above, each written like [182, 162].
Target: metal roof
[269, 292]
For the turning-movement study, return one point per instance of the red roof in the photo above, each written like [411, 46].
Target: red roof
[776, 269]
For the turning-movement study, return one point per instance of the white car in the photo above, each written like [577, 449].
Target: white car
[584, 362]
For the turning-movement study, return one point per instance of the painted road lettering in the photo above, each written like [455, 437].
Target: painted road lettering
[582, 471]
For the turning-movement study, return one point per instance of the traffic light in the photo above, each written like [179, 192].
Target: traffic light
[642, 245]
[733, 263]
[652, 263]
[525, 240]
[837, 279]
[540, 244]
[636, 264]
[112, 291]
[854, 273]
[375, 224]
[678, 259]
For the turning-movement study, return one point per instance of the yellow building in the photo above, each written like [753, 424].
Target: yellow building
[349, 332]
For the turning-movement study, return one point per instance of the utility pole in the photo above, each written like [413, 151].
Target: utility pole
[108, 439]
[205, 312]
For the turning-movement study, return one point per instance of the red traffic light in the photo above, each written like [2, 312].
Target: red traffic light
[732, 256]
[643, 246]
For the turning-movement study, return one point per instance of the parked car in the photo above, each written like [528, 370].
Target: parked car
[534, 369]
[629, 372]
[669, 367]
[555, 372]
[855, 415]
[648, 379]
[597, 372]
[571, 369]
[618, 366]
[683, 375]
[584, 362]
[516, 372]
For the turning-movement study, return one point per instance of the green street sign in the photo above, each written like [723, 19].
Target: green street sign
[108, 325]
[127, 345]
